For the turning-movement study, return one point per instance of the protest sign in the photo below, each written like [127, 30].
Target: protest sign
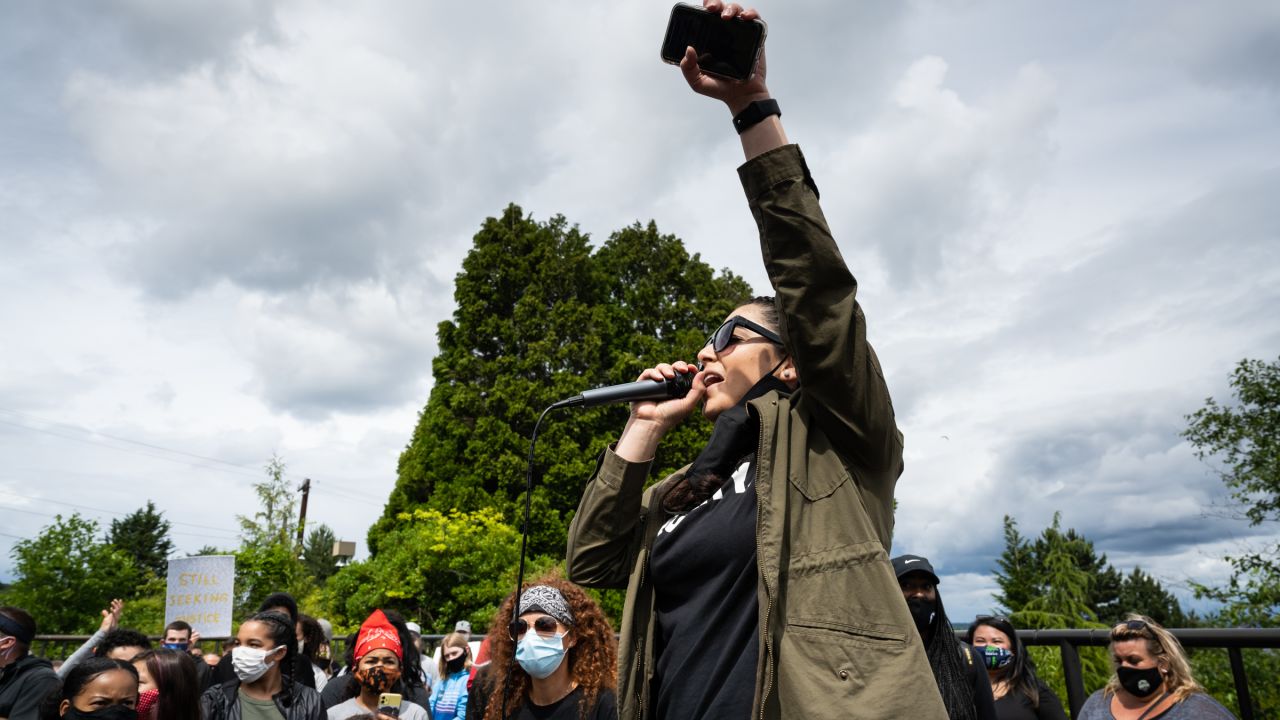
[200, 592]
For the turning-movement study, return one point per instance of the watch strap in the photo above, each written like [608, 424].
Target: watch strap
[754, 113]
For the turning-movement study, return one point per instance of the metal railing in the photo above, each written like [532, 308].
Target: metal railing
[1068, 642]
[1231, 639]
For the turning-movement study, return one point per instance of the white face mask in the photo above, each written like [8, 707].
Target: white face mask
[250, 663]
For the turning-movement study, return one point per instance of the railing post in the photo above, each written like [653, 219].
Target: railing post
[1073, 676]
[1242, 683]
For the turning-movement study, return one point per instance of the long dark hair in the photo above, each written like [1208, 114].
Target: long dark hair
[948, 662]
[283, 634]
[174, 673]
[1021, 673]
[75, 680]
[313, 636]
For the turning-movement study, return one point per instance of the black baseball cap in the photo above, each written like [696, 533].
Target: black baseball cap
[904, 564]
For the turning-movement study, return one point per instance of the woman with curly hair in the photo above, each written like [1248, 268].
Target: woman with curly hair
[1152, 679]
[565, 653]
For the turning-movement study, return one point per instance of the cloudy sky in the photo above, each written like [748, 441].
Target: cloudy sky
[228, 228]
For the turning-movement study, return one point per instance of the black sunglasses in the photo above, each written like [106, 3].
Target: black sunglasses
[723, 337]
[545, 626]
[1134, 625]
[983, 619]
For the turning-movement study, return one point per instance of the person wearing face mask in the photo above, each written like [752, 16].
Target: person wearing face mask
[98, 688]
[280, 602]
[1019, 694]
[758, 577]
[25, 680]
[379, 662]
[957, 669]
[264, 687]
[449, 696]
[565, 657]
[1152, 679]
[168, 686]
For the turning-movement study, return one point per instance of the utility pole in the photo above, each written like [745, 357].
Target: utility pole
[302, 517]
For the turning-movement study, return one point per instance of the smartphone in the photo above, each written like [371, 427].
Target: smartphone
[389, 704]
[728, 48]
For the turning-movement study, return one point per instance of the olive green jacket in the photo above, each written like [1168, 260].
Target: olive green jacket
[836, 638]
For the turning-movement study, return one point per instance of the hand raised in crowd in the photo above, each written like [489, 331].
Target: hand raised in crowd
[737, 95]
[111, 616]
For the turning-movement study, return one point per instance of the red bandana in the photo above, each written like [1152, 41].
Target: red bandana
[377, 633]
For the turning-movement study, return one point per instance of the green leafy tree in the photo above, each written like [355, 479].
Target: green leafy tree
[264, 569]
[273, 523]
[541, 317]
[1243, 441]
[67, 574]
[144, 534]
[317, 553]
[435, 568]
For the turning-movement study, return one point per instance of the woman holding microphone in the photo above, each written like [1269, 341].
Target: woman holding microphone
[758, 578]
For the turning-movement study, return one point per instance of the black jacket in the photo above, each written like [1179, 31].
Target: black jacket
[23, 687]
[222, 702]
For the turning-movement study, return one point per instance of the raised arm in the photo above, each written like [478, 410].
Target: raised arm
[822, 323]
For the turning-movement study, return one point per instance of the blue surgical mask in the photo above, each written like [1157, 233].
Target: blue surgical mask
[174, 646]
[540, 656]
[993, 657]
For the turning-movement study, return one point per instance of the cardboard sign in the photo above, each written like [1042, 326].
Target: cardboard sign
[200, 592]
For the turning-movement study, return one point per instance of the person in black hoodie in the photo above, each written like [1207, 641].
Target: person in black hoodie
[960, 674]
[25, 680]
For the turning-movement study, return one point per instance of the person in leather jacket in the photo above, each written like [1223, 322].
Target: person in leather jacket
[264, 686]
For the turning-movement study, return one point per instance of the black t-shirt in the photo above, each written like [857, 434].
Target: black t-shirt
[567, 708]
[1017, 706]
[704, 574]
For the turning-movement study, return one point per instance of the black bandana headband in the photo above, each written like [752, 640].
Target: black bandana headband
[11, 627]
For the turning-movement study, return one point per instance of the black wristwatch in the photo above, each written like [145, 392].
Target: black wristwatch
[754, 113]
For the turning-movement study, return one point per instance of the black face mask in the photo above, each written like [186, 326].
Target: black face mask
[110, 712]
[1139, 683]
[455, 664]
[922, 612]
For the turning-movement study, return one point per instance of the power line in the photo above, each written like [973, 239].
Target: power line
[231, 533]
[231, 467]
[125, 440]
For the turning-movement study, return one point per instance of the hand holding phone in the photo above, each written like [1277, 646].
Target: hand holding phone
[389, 704]
[726, 47]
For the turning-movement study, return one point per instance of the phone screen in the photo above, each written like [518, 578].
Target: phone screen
[725, 47]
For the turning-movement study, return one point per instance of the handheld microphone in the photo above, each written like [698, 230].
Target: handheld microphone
[676, 387]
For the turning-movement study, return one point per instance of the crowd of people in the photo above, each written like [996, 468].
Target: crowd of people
[758, 578]
[556, 659]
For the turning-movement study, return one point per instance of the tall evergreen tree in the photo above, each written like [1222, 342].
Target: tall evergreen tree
[541, 317]
[317, 553]
[144, 535]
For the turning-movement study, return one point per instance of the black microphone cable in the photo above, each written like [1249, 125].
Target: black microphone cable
[524, 543]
